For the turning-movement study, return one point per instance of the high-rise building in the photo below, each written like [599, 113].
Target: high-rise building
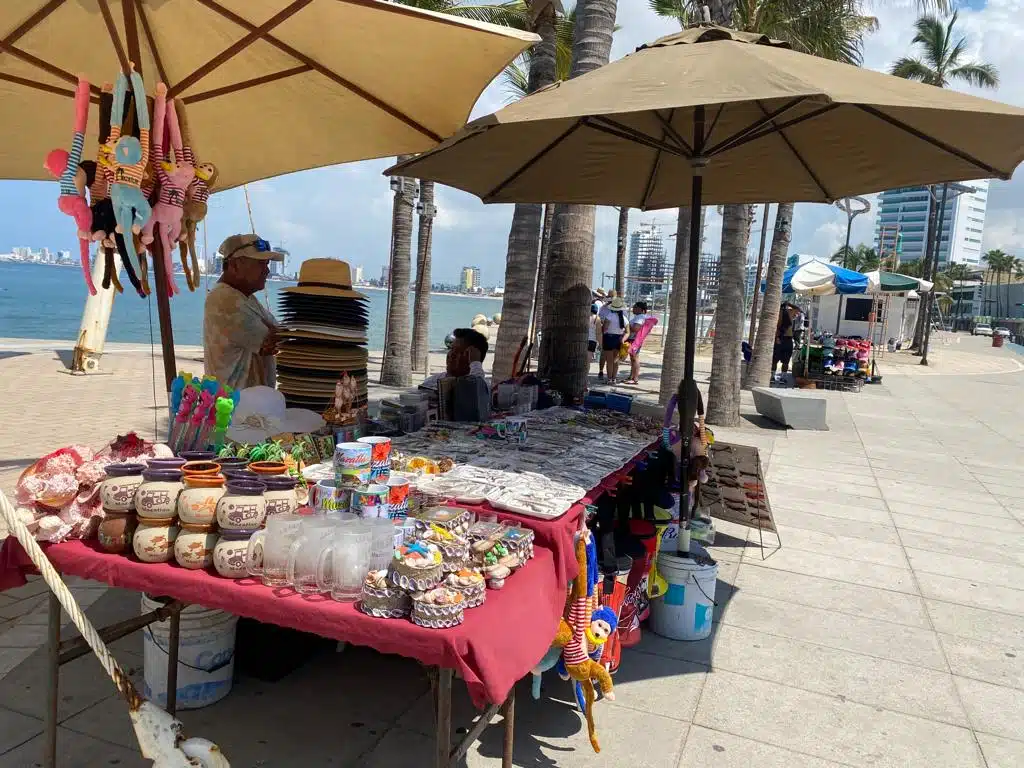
[709, 270]
[901, 224]
[648, 270]
[358, 276]
[470, 279]
[385, 276]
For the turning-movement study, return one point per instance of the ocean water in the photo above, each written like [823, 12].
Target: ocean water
[46, 302]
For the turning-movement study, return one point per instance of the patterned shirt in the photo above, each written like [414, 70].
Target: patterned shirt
[234, 328]
[67, 179]
[130, 174]
[575, 651]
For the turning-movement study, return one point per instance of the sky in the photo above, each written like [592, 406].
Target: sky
[345, 211]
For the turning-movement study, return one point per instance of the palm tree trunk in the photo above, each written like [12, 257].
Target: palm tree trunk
[421, 307]
[724, 390]
[620, 252]
[760, 366]
[564, 356]
[926, 270]
[395, 369]
[757, 274]
[524, 235]
[675, 332]
[542, 266]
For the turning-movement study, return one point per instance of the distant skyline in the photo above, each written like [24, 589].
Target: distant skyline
[345, 211]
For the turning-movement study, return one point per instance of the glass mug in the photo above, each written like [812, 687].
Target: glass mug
[348, 557]
[315, 536]
[382, 541]
[274, 543]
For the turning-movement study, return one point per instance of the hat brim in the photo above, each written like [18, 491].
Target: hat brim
[320, 290]
[250, 252]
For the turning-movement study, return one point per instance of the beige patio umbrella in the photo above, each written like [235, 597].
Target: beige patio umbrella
[712, 116]
[272, 86]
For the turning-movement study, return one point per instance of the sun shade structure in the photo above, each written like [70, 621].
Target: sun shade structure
[271, 86]
[817, 278]
[774, 124]
[892, 282]
[713, 116]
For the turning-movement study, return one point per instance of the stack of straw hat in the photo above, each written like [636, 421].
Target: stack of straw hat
[324, 335]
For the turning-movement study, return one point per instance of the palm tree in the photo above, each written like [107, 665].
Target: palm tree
[759, 369]
[860, 258]
[421, 304]
[564, 357]
[620, 251]
[997, 261]
[395, 369]
[958, 273]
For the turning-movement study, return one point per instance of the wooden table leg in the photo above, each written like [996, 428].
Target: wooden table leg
[52, 681]
[172, 662]
[508, 711]
[443, 754]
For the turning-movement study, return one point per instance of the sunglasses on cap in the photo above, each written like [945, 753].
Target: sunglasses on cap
[261, 245]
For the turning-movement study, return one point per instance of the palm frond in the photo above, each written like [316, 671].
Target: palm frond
[981, 75]
[682, 11]
[509, 14]
[516, 79]
[910, 68]
[931, 36]
[832, 29]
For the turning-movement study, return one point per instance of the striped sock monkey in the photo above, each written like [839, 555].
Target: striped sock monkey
[131, 208]
[195, 200]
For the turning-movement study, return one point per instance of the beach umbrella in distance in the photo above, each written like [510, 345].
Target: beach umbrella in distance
[712, 116]
[271, 86]
[818, 278]
[893, 282]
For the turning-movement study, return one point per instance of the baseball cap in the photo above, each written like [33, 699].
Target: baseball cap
[250, 246]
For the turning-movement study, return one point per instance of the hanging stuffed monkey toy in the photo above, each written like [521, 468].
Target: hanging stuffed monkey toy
[131, 209]
[103, 222]
[195, 200]
[174, 177]
[586, 628]
[65, 167]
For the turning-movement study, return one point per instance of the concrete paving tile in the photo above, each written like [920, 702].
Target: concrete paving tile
[661, 686]
[35, 586]
[945, 477]
[993, 516]
[10, 658]
[823, 482]
[812, 521]
[696, 651]
[836, 509]
[75, 750]
[989, 553]
[996, 662]
[963, 509]
[844, 546]
[1007, 488]
[17, 609]
[967, 568]
[830, 728]
[952, 530]
[974, 623]
[883, 639]
[15, 729]
[868, 498]
[832, 595]
[841, 569]
[973, 593]
[1000, 752]
[24, 635]
[877, 682]
[991, 708]
[705, 747]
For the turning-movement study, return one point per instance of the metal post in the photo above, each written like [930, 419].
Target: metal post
[52, 681]
[509, 712]
[935, 258]
[443, 752]
[172, 662]
[757, 274]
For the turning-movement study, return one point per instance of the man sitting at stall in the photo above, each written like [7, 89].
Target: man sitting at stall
[240, 335]
[465, 357]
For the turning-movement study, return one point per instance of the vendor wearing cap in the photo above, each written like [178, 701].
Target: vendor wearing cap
[239, 333]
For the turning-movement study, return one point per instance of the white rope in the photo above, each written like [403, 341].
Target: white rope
[67, 600]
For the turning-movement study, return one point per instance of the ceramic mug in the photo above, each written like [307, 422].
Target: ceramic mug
[197, 502]
[157, 495]
[352, 455]
[242, 506]
[193, 548]
[198, 455]
[200, 468]
[268, 549]
[230, 554]
[271, 468]
[153, 541]
[117, 491]
[116, 531]
[371, 501]
[398, 497]
[380, 456]
[328, 497]
[280, 494]
[171, 462]
[231, 462]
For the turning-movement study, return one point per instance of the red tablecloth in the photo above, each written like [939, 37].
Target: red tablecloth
[497, 644]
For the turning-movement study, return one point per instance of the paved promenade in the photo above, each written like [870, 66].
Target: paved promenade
[887, 631]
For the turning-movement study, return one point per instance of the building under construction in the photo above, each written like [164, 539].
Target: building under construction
[648, 269]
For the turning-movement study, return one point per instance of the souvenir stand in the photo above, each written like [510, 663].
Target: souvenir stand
[147, 189]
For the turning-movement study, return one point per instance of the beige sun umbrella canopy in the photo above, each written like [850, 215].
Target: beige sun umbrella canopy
[777, 125]
[271, 86]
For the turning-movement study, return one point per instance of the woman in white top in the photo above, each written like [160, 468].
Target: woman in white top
[636, 323]
[615, 330]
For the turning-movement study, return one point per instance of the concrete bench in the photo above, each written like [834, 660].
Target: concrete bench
[791, 408]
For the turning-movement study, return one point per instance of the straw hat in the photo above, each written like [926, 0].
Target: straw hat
[325, 277]
[617, 303]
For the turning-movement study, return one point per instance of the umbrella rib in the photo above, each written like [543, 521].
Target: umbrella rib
[529, 163]
[224, 91]
[738, 138]
[607, 125]
[666, 123]
[650, 180]
[108, 21]
[44, 87]
[933, 141]
[799, 157]
[32, 21]
[788, 124]
[329, 74]
[148, 31]
[46, 66]
[255, 33]
[711, 128]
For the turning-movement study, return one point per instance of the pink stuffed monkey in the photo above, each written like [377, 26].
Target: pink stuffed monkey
[64, 166]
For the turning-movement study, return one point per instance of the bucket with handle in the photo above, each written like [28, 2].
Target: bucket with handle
[686, 610]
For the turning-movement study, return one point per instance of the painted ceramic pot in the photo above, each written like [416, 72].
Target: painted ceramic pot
[240, 474]
[198, 455]
[200, 468]
[280, 495]
[115, 531]
[231, 462]
[153, 541]
[117, 491]
[173, 462]
[157, 496]
[230, 553]
[243, 506]
[268, 467]
[197, 502]
[193, 549]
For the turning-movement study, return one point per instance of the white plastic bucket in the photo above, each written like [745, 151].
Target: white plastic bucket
[206, 656]
[686, 610]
